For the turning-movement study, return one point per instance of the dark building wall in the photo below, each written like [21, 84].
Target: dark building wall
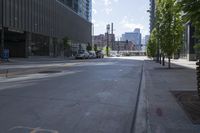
[0, 13]
[45, 17]
[152, 14]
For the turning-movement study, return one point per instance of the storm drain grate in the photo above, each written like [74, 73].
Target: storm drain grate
[49, 72]
[190, 102]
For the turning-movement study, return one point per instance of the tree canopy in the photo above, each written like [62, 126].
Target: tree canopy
[191, 11]
[168, 31]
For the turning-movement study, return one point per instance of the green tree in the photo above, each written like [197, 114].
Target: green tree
[95, 47]
[191, 9]
[169, 28]
[66, 43]
[152, 45]
[67, 47]
[106, 50]
[89, 47]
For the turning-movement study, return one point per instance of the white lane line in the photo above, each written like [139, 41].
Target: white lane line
[36, 76]
[33, 130]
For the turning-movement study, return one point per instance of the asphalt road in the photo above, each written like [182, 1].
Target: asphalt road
[94, 96]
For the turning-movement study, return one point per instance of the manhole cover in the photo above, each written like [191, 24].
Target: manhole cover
[190, 102]
[46, 72]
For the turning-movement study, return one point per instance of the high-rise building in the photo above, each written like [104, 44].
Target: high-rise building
[135, 37]
[81, 7]
[152, 14]
[136, 30]
[37, 27]
[146, 38]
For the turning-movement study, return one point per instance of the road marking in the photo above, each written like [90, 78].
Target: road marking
[34, 130]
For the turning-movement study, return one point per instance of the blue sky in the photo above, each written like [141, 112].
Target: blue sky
[125, 14]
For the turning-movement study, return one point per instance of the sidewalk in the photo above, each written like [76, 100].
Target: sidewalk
[35, 59]
[23, 66]
[185, 63]
[162, 113]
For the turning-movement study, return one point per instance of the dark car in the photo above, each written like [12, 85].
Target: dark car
[99, 54]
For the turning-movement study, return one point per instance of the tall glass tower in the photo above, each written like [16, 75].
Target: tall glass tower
[81, 7]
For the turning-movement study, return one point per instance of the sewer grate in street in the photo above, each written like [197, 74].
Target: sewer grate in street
[190, 103]
[48, 72]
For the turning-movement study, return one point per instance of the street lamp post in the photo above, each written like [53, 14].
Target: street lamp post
[107, 46]
[118, 46]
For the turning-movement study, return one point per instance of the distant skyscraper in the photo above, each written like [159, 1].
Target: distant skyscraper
[135, 37]
[146, 39]
[137, 30]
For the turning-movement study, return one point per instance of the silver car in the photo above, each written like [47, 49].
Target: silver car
[82, 54]
[92, 55]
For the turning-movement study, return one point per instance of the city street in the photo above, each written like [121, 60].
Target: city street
[86, 96]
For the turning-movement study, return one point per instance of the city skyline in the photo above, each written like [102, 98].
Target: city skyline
[126, 16]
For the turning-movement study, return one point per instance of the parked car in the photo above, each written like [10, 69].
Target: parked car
[100, 54]
[82, 54]
[92, 54]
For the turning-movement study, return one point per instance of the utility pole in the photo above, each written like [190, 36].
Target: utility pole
[118, 49]
[112, 35]
[107, 46]
[2, 30]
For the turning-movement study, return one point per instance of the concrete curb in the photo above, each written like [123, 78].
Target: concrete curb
[141, 124]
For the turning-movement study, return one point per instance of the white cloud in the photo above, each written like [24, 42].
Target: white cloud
[107, 2]
[108, 6]
[93, 21]
[94, 11]
[129, 24]
[108, 10]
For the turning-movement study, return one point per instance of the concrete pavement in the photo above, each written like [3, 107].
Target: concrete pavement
[103, 105]
[159, 111]
[98, 97]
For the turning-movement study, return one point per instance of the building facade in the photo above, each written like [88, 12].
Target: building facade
[101, 40]
[152, 14]
[124, 46]
[146, 39]
[135, 37]
[37, 27]
[189, 42]
[81, 7]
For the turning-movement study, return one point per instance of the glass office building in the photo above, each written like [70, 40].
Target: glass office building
[81, 7]
[37, 27]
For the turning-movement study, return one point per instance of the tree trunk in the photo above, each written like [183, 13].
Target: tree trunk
[163, 60]
[157, 56]
[169, 62]
[160, 58]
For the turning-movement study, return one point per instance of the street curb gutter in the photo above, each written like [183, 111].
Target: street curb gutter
[140, 119]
